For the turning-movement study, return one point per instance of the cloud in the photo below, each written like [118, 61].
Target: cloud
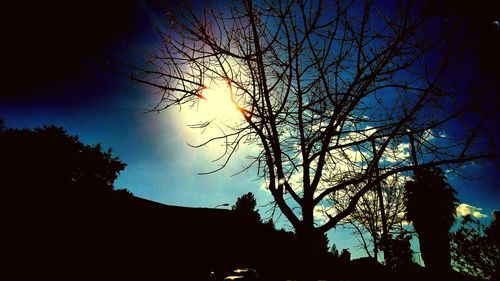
[428, 135]
[398, 153]
[264, 185]
[321, 214]
[465, 209]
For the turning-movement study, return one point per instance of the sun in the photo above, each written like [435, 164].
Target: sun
[216, 103]
[212, 118]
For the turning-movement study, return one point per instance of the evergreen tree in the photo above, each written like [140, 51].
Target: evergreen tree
[245, 207]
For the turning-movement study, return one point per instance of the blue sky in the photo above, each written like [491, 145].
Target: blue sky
[103, 107]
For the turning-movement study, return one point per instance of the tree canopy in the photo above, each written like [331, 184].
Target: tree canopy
[49, 161]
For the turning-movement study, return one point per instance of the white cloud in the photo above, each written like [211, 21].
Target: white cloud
[281, 181]
[264, 186]
[399, 153]
[428, 135]
[397, 179]
[465, 209]
[295, 182]
[369, 130]
[401, 216]
[321, 214]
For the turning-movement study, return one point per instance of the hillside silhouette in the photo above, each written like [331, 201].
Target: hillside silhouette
[64, 219]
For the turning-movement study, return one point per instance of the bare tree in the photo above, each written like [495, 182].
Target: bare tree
[379, 215]
[329, 91]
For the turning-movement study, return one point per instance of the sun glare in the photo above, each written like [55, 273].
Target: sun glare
[216, 103]
[212, 116]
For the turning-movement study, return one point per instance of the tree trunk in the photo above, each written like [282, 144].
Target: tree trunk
[385, 235]
[311, 252]
[435, 250]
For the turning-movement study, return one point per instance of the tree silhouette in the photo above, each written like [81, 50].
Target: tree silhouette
[493, 231]
[329, 93]
[334, 251]
[431, 206]
[61, 211]
[397, 252]
[379, 215]
[47, 163]
[474, 251]
[345, 256]
[245, 207]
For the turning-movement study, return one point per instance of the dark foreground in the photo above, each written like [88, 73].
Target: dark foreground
[62, 219]
[123, 237]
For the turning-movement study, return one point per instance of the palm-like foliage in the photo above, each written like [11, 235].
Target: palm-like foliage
[430, 199]
[431, 206]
